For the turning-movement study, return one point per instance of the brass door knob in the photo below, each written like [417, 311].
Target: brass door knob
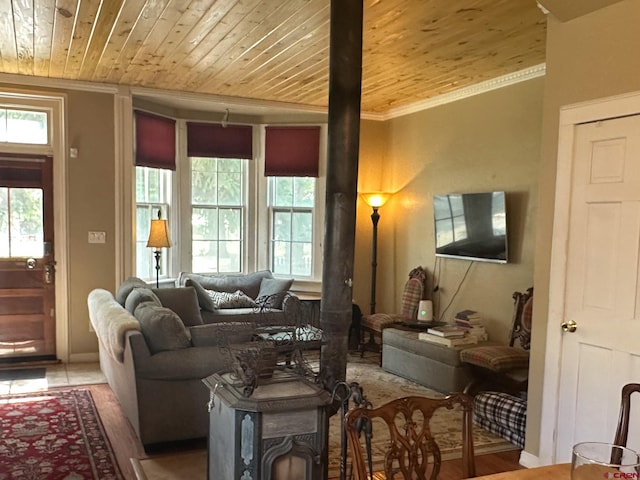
[569, 326]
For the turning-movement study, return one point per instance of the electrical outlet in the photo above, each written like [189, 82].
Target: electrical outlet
[97, 237]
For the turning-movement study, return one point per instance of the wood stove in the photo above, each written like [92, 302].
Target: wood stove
[280, 432]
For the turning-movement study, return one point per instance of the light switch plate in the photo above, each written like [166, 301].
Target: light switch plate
[97, 237]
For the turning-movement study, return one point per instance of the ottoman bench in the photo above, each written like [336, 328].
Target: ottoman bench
[429, 364]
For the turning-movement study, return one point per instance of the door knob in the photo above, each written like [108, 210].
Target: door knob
[31, 263]
[569, 326]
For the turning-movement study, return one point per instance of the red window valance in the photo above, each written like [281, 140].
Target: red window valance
[155, 141]
[215, 140]
[292, 151]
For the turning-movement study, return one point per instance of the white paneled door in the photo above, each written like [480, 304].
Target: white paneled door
[602, 285]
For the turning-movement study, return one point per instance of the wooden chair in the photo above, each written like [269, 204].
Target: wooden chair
[374, 323]
[504, 368]
[412, 452]
[622, 432]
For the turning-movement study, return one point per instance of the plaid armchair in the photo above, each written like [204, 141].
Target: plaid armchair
[374, 323]
[504, 368]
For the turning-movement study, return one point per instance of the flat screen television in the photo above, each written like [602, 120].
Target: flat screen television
[471, 226]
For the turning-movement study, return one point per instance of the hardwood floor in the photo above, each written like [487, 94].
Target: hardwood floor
[126, 445]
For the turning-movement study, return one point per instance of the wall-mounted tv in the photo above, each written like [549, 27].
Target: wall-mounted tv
[471, 226]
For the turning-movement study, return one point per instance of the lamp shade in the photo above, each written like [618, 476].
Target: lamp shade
[376, 199]
[159, 234]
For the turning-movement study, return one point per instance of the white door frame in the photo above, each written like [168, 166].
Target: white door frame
[570, 117]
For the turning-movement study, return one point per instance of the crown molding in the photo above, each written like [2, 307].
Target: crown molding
[482, 87]
[215, 101]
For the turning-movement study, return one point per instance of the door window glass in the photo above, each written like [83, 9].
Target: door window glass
[21, 231]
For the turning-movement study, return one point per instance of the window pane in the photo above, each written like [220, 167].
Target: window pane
[205, 256]
[229, 257]
[204, 223]
[4, 222]
[204, 181]
[304, 194]
[230, 224]
[281, 258]
[152, 194]
[229, 189]
[282, 226]
[25, 222]
[282, 188]
[217, 232]
[302, 225]
[301, 259]
[23, 126]
[292, 203]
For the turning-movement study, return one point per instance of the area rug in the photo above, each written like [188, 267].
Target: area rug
[379, 387]
[54, 435]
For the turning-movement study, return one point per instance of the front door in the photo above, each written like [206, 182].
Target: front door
[602, 294]
[27, 273]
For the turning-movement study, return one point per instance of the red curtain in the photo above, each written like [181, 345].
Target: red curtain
[155, 141]
[214, 140]
[292, 151]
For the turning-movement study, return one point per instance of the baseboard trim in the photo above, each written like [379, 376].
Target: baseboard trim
[84, 357]
[529, 460]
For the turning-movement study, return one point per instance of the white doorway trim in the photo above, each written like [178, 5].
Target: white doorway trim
[55, 105]
[570, 117]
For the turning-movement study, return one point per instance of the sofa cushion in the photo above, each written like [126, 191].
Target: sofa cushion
[272, 292]
[249, 283]
[220, 334]
[183, 301]
[205, 301]
[139, 295]
[498, 358]
[127, 286]
[251, 315]
[162, 328]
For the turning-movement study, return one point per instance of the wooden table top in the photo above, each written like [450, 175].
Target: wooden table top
[550, 472]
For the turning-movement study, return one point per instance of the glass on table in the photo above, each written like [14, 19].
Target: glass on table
[597, 461]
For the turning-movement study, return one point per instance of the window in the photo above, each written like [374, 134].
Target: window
[24, 126]
[21, 233]
[225, 215]
[217, 214]
[291, 207]
[153, 194]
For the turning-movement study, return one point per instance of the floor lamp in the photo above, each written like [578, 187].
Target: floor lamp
[158, 238]
[375, 201]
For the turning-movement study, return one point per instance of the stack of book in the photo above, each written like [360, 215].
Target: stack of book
[448, 335]
[472, 323]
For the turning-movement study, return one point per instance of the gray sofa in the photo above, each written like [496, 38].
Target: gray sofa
[258, 298]
[155, 348]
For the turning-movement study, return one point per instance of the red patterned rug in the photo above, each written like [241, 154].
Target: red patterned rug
[54, 435]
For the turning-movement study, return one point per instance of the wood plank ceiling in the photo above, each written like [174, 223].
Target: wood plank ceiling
[273, 50]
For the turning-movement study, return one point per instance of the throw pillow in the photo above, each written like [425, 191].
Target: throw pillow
[126, 287]
[162, 328]
[272, 292]
[203, 296]
[183, 301]
[230, 300]
[139, 295]
[249, 283]
[221, 334]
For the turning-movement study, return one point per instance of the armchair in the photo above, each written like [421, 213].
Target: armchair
[374, 323]
[501, 367]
